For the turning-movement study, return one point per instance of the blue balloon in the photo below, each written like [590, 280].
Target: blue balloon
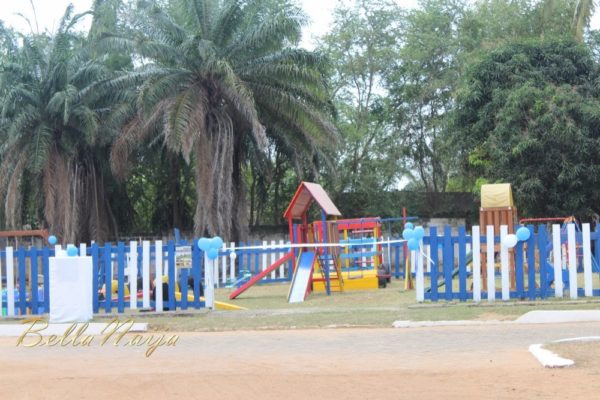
[72, 250]
[409, 225]
[216, 242]
[204, 244]
[52, 240]
[413, 244]
[523, 234]
[408, 234]
[419, 233]
[212, 253]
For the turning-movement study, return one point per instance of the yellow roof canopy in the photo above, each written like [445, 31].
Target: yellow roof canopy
[496, 195]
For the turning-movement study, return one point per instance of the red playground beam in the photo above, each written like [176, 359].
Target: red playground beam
[261, 275]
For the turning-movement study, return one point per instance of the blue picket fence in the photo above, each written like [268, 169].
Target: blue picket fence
[29, 267]
[532, 270]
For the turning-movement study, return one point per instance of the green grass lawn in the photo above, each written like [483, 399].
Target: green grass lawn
[268, 309]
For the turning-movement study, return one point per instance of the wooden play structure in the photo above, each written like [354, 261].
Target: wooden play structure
[361, 260]
[497, 208]
[324, 264]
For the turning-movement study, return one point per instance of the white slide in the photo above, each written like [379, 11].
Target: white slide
[301, 277]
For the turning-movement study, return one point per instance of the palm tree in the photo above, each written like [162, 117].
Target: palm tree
[53, 128]
[220, 81]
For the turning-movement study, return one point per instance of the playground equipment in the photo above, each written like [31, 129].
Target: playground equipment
[319, 265]
[306, 194]
[361, 260]
[497, 209]
[323, 259]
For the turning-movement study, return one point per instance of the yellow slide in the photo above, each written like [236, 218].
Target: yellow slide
[219, 305]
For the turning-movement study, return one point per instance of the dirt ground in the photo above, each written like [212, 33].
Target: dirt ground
[489, 362]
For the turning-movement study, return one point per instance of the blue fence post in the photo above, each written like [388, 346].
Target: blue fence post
[531, 263]
[183, 285]
[22, 281]
[121, 277]
[196, 254]
[519, 270]
[249, 264]
[542, 256]
[433, 245]
[172, 278]
[462, 263]
[257, 253]
[34, 280]
[46, 269]
[448, 261]
[107, 256]
[95, 277]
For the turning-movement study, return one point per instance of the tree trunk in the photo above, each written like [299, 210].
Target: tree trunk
[75, 206]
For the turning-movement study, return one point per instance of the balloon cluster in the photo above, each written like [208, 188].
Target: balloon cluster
[511, 240]
[210, 246]
[413, 235]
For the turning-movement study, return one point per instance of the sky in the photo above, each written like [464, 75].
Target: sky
[49, 13]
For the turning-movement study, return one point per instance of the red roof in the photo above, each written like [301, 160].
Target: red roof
[306, 193]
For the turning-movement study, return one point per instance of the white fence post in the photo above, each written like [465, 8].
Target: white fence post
[209, 285]
[587, 260]
[557, 260]
[10, 282]
[504, 263]
[273, 258]
[572, 260]
[146, 274]
[491, 267]
[133, 273]
[475, 237]
[282, 266]
[420, 276]
[158, 258]
[232, 263]
[224, 265]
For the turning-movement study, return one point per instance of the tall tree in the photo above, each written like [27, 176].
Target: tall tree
[529, 115]
[217, 74]
[362, 46]
[51, 131]
[584, 9]
[422, 85]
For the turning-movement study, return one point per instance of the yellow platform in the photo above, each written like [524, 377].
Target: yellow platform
[353, 280]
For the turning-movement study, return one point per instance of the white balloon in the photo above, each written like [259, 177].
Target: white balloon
[232, 255]
[510, 241]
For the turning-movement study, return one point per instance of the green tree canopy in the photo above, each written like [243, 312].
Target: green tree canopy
[219, 79]
[362, 47]
[530, 115]
[54, 127]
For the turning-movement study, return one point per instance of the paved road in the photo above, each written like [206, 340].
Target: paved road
[452, 362]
